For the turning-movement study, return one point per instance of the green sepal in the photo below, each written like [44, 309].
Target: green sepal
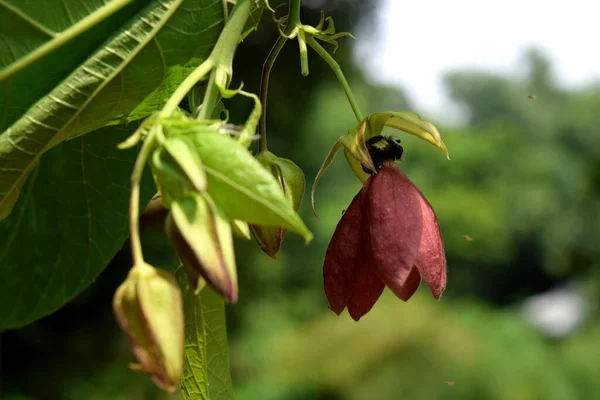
[405, 121]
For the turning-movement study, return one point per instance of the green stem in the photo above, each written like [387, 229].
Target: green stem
[225, 48]
[210, 98]
[185, 86]
[264, 88]
[134, 199]
[294, 14]
[220, 57]
[338, 72]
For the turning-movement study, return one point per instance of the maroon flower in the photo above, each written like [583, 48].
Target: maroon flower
[388, 236]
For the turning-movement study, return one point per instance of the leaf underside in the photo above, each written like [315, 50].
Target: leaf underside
[206, 374]
[126, 79]
[70, 222]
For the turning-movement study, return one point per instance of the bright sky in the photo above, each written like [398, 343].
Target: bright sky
[420, 40]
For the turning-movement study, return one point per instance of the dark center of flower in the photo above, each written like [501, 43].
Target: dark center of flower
[382, 149]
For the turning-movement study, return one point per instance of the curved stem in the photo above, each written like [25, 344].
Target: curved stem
[134, 199]
[185, 86]
[338, 72]
[293, 20]
[264, 89]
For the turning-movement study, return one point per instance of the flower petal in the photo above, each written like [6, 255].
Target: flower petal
[431, 261]
[366, 292]
[344, 257]
[393, 220]
[411, 285]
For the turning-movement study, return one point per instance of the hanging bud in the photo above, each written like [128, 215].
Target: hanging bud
[149, 309]
[201, 235]
[177, 169]
[291, 179]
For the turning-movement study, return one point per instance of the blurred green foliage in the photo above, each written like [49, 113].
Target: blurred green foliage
[523, 183]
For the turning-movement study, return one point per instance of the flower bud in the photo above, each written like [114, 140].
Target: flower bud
[201, 235]
[149, 309]
[177, 169]
[291, 179]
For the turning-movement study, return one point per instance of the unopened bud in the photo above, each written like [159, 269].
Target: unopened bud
[149, 309]
[291, 179]
[201, 235]
[177, 169]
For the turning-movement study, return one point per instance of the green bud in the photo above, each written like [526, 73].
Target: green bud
[149, 309]
[177, 169]
[291, 179]
[201, 235]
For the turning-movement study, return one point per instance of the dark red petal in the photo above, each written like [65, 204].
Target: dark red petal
[366, 292]
[344, 257]
[393, 219]
[411, 285]
[431, 261]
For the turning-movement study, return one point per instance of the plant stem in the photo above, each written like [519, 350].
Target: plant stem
[264, 88]
[338, 72]
[224, 50]
[294, 14]
[211, 96]
[220, 57]
[134, 199]
[185, 86]
[293, 20]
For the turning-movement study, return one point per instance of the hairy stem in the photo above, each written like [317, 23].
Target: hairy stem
[338, 72]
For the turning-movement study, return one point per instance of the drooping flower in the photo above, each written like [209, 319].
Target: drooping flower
[388, 236]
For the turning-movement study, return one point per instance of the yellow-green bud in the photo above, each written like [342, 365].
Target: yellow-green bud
[201, 235]
[149, 309]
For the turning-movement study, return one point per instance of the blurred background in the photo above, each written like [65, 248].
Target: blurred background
[513, 89]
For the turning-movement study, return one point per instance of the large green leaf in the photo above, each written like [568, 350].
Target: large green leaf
[32, 30]
[206, 374]
[219, 376]
[70, 223]
[194, 382]
[126, 79]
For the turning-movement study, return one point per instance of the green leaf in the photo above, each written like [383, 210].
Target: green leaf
[69, 224]
[242, 187]
[177, 169]
[408, 122]
[194, 383]
[206, 374]
[128, 78]
[30, 32]
[254, 18]
[219, 376]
